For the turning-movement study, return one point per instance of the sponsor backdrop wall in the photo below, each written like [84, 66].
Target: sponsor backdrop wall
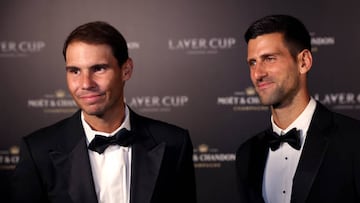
[190, 70]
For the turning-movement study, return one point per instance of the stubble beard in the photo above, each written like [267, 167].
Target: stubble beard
[279, 98]
[271, 100]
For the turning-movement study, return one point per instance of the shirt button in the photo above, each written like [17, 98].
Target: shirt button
[284, 191]
[286, 158]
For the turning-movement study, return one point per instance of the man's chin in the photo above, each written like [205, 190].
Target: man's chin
[265, 101]
[268, 101]
[93, 112]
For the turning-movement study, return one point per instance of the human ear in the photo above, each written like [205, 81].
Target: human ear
[127, 69]
[305, 61]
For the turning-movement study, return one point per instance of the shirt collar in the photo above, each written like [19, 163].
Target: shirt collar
[90, 133]
[302, 122]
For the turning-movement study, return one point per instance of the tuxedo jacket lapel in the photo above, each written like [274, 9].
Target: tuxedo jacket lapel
[257, 168]
[71, 160]
[145, 170]
[312, 155]
[250, 164]
[147, 156]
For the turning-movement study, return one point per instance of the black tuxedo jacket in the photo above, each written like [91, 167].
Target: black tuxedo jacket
[54, 164]
[328, 169]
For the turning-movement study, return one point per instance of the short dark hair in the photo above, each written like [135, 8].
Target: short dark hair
[296, 36]
[99, 32]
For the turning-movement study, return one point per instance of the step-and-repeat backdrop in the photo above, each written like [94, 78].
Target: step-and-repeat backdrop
[190, 70]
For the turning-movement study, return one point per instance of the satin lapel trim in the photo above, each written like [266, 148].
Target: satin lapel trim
[145, 170]
[75, 172]
[312, 155]
[308, 167]
[259, 156]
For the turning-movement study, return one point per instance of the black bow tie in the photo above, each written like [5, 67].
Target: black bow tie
[292, 138]
[123, 138]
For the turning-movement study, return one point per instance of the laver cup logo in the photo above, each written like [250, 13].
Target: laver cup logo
[20, 48]
[340, 100]
[202, 45]
[157, 103]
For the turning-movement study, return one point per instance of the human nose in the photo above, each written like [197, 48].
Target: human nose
[258, 71]
[87, 81]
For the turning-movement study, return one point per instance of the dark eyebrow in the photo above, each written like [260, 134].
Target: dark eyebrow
[71, 67]
[269, 54]
[262, 57]
[102, 65]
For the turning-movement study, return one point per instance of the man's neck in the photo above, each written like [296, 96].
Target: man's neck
[106, 123]
[284, 116]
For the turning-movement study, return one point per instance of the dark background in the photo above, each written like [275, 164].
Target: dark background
[188, 55]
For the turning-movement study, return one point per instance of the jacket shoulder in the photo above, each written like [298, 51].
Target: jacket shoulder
[159, 130]
[54, 131]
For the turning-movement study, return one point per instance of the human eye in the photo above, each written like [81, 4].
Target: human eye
[99, 68]
[73, 70]
[251, 63]
[270, 58]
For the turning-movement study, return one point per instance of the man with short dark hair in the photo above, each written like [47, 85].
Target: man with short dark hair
[308, 154]
[105, 152]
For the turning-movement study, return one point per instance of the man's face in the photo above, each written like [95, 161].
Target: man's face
[95, 79]
[273, 71]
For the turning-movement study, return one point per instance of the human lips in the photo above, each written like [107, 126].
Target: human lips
[263, 85]
[91, 98]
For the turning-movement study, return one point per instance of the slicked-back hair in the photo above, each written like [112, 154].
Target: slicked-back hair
[296, 36]
[99, 32]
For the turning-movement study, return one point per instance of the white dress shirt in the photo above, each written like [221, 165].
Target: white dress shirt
[281, 164]
[111, 169]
